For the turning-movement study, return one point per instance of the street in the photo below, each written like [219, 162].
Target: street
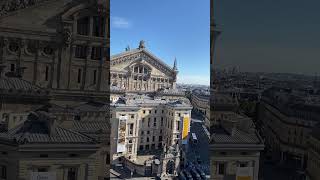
[199, 151]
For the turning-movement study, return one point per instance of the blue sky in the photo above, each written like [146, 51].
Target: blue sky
[269, 35]
[170, 28]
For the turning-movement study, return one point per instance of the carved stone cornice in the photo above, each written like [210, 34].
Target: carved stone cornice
[144, 56]
[8, 6]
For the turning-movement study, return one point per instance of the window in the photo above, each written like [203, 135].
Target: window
[132, 116]
[83, 26]
[155, 111]
[3, 172]
[144, 111]
[155, 122]
[160, 138]
[148, 132]
[147, 147]
[153, 138]
[94, 76]
[47, 74]
[162, 111]
[43, 155]
[99, 26]
[108, 158]
[42, 169]
[81, 52]
[149, 111]
[141, 147]
[12, 67]
[159, 145]
[148, 122]
[178, 125]
[221, 169]
[79, 75]
[243, 164]
[142, 132]
[72, 174]
[161, 121]
[131, 129]
[153, 146]
[96, 53]
[147, 139]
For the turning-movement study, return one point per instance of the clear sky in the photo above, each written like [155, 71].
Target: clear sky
[170, 28]
[269, 35]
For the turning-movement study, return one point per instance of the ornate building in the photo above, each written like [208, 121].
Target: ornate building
[60, 45]
[54, 64]
[139, 70]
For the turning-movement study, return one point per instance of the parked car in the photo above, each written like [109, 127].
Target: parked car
[187, 174]
[202, 174]
[182, 176]
[195, 174]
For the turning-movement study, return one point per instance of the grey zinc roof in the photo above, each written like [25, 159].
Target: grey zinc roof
[220, 136]
[34, 131]
[92, 106]
[91, 126]
[13, 83]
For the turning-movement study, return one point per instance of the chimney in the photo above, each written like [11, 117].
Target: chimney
[230, 126]
[49, 120]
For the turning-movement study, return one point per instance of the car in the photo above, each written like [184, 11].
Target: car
[182, 176]
[202, 174]
[195, 174]
[188, 175]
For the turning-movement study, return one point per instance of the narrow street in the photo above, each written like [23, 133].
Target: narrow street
[198, 154]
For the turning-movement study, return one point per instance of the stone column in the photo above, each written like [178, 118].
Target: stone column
[85, 69]
[71, 55]
[91, 26]
[53, 63]
[3, 46]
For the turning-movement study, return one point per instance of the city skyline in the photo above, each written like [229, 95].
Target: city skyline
[281, 37]
[165, 28]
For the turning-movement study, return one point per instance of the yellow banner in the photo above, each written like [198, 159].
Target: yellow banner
[185, 129]
[243, 177]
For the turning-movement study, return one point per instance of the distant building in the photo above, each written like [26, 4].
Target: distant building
[313, 162]
[285, 121]
[200, 100]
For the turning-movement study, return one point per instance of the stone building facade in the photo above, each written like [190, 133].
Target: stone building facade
[58, 45]
[54, 60]
[138, 70]
[151, 125]
[286, 123]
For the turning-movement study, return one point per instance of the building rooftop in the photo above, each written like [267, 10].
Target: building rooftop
[40, 128]
[147, 100]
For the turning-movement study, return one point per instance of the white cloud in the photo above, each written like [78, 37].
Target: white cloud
[193, 79]
[120, 22]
